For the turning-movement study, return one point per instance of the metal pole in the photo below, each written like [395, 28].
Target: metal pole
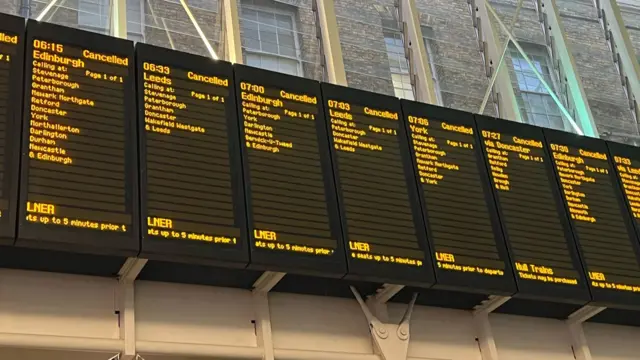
[494, 76]
[331, 42]
[507, 103]
[119, 18]
[25, 9]
[568, 65]
[563, 109]
[233, 40]
[425, 88]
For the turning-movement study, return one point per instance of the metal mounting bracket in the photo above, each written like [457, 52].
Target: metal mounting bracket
[386, 292]
[391, 340]
[125, 305]
[267, 281]
[578, 339]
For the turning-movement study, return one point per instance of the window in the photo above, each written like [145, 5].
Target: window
[398, 65]
[269, 40]
[427, 35]
[536, 105]
[135, 20]
[93, 15]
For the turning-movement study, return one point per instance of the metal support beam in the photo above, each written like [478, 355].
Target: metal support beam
[378, 303]
[386, 292]
[623, 51]
[584, 313]
[505, 48]
[131, 269]
[491, 304]
[264, 335]
[46, 10]
[579, 342]
[125, 305]
[119, 18]
[196, 25]
[331, 42]
[562, 52]
[232, 40]
[574, 323]
[267, 281]
[417, 53]
[537, 73]
[486, 342]
[490, 46]
[391, 341]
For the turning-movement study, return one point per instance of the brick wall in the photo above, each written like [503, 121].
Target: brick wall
[594, 62]
[63, 13]
[631, 18]
[528, 32]
[305, 32]
[363, 47]
[9, 6]
[455, 53]
[167, 25]
[453, 44]
[308, 41]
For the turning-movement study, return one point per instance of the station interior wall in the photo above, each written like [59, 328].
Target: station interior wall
[303, 327]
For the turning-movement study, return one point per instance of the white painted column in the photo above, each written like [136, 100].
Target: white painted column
[555, 29]
[119, 18]
[331, 42]
[233, 41]
[507, 103]
[419, 62]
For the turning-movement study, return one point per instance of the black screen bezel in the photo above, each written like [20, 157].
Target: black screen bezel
[362, 269]
[73, 239]
[455, 280]
[191, 251]
[10, 183]
[600, 296]
[528, 288]
[264, 259]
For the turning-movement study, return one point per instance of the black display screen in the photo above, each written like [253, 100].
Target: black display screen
[463, 229]
[79, 168]
[12, 34]
[293, 214]
[534, 220]
[192, 199]
[600, 218]
[382, 219]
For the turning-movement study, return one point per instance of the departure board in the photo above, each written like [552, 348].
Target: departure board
[12, 33]
[627, 164]
[292, 210]
[534, 220]
[601, 222]
[463, 230]
[79, 160]
[381, 214]
[192, 200]
[627, 167]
